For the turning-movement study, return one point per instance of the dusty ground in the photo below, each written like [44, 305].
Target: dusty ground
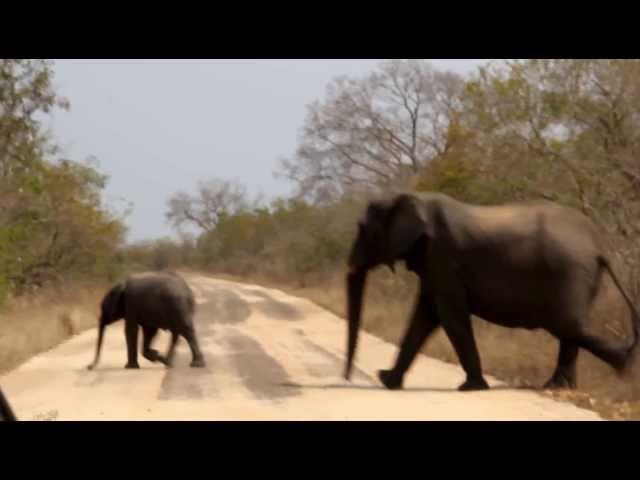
[270, 356]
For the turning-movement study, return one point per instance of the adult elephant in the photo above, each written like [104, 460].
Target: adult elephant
[153, 301]
[6, 412]
[533, 265]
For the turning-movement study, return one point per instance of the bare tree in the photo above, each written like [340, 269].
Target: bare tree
[374, 131]
[203, 210]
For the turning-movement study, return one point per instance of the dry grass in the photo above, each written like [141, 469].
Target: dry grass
[36, 323]
[519, 357]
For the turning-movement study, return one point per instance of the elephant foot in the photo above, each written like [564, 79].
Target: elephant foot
[560, 382]
[132, 365]
[390, 380]
[474, 384]
[625, 367]
[167, 363]
[198, 363]
[153, 356]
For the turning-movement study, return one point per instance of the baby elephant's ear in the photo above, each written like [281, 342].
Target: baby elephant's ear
[407, 222]
[113, 300]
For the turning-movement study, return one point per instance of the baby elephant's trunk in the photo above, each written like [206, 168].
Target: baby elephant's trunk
[98, 346]
[112, 310]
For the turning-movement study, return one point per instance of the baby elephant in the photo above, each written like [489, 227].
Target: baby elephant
[151, 300]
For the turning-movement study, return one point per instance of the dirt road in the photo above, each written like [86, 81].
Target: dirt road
[269, 356]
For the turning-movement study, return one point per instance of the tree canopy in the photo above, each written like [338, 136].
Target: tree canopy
[53, 223]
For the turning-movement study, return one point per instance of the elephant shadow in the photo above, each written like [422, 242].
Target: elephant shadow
[345, 386]
[119, 368]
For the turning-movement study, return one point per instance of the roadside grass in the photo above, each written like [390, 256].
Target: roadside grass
[36, 323]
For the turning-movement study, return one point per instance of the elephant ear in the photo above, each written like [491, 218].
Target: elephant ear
[112, 302]
[408, 222]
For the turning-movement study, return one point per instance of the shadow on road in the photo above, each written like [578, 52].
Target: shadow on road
[343, 386]
[100, 369]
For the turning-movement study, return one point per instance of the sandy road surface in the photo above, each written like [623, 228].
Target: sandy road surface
[269, 356]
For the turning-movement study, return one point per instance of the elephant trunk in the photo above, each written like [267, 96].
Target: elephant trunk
[99, 345]
[356, 281]
[112, 310]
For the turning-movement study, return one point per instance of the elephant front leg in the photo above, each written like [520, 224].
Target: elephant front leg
[565, 373]
[423, 324]
[148, 334]
[131, 333]
[456, 322]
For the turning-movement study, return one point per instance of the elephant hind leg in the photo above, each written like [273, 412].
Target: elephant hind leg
[565, 374]
[615, 355]
[197, 357]
[168, 360]
[148, 334]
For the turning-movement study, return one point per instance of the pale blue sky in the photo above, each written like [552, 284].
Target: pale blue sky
[158, 126]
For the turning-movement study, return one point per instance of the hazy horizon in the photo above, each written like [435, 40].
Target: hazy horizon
[160, 126]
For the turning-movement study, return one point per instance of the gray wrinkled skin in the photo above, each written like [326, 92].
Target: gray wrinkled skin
[151, 301]
[532, 265]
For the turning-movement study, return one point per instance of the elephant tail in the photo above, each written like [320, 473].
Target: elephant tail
[604, 262]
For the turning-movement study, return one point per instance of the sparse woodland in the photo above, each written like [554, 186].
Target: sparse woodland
[54, 226]
[564, 130]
